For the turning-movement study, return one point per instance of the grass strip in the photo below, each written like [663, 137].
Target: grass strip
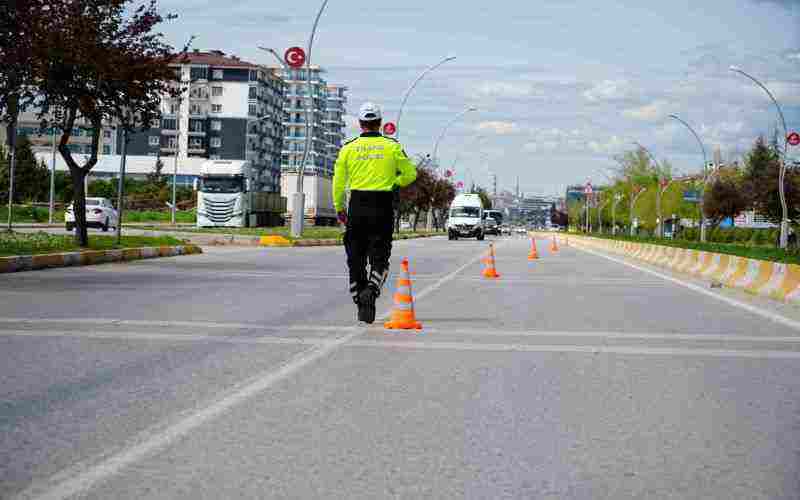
[43, 243]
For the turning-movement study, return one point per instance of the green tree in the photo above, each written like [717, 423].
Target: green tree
[486, 200]
[762, 169]
[101, 61]
[726, 197]
[31, 178]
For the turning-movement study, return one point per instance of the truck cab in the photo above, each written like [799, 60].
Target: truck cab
[223, 194]
[466, 218]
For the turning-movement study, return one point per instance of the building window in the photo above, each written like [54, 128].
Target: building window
[173, 108]
[216, 125]
[213, 157]
[216, 91]
[154, 140]
[107, 134]
[195, 143]
[200, 73]
[253, 75]
[253, 93]
[169, 124]
[251, 110]
[216, 142]
[217, 74]
[106, 150]
[197, 125]
[216, 108]
[195, 109]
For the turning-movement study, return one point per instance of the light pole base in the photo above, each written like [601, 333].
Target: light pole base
[298, 214]
[784, 240]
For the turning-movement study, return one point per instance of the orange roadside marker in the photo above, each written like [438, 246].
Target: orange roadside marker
[403, 317]
[491, 269]
[534, 254]
[554, 245]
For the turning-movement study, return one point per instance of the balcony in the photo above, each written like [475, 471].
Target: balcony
[169, 132]
[197, 133]
[196, 150]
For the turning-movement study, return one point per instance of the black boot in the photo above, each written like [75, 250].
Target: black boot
[366, 305]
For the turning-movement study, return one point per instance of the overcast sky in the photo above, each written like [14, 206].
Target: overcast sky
[561, 85]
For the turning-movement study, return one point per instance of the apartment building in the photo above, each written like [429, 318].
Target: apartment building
[43, 140]
[230, 110]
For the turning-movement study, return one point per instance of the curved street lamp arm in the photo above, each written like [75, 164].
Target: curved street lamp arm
[277, 56]
[411, 88]
[310, 112]
[774, 101]
[648, 153]
[700, 142]
[446, 127]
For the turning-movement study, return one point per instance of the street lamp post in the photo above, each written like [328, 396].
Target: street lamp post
[784, 238]
[411, 88]
[705, 177]
[52, 204]
[121, 186]
[600, 216]
[617, 198]
[298, 205]
[435, 152]
[633, 204]
[659, 192]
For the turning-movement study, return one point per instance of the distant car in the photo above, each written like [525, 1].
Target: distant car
[405, 225]
[100, 213]
[490, 226]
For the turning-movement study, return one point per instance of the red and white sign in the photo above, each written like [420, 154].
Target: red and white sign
[588, 188]
[448, 173]
[389, 128]
[460, 185]
[295, 57]
[793, 139]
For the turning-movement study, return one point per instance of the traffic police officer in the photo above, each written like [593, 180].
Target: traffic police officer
[372, 166]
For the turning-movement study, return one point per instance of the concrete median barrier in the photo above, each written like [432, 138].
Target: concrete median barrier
[758, 277]
[91, 257]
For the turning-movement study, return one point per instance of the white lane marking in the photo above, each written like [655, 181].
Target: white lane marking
[772, 316]
[619, 335]
[133, 322]
[189, 337]
[78, 479]
[172, 337]
[654, 351]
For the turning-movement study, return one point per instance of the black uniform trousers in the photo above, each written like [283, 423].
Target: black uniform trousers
[368, 239]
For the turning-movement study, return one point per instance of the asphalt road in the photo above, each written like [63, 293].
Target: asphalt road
[241, 373]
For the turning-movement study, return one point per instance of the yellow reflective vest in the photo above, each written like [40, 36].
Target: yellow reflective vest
[371, 162]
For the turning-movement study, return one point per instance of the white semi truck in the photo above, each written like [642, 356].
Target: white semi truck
[226, 197]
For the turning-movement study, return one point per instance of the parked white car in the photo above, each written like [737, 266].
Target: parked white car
[99, 213]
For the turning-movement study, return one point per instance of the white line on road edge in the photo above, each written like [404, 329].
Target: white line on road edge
[620, 335]
[654, 351]
[179, 337]
[267, 340]
[775, 317]
[75, 480]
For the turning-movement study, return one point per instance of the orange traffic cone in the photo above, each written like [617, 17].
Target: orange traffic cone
[491, 270]
[554, 245]
[534, 254]
[403, 317]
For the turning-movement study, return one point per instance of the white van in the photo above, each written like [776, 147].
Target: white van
[466, 218]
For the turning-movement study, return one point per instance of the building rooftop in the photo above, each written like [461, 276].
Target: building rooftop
[218, 59]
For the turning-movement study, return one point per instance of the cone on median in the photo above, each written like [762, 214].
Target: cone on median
[403, 317]
[490, 271]
[554, 245]
[533, 255]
